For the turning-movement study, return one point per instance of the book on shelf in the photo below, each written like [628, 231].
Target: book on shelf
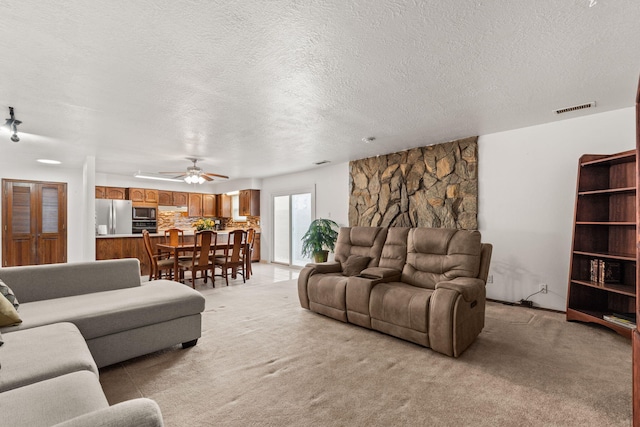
[619, 321]
[603, 272]
[627, 316]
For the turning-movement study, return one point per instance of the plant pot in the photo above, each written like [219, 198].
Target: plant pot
[321, 256]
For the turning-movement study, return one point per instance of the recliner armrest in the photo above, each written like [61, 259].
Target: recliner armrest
[325, 267]
[386, 274]
[470, 288]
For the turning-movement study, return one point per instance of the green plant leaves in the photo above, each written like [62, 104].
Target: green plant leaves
[322, 234]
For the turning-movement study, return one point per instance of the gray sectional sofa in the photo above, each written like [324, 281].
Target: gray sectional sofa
[424, 285]
[77, 318]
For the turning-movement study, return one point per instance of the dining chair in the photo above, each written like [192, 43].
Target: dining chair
[157, 262]
[247, 251]
[175, 237]
[232, 256]
[200, 259]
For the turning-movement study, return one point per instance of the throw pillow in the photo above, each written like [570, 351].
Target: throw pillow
[8, 294]
[8, 314]
[355, 264]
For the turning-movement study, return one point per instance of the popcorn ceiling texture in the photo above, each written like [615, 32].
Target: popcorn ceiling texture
[434, 186]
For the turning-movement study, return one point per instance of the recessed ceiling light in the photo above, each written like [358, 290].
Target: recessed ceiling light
[369, 139]
[49, 162]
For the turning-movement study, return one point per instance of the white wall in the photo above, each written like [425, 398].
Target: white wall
[331, 185]
[527, 183]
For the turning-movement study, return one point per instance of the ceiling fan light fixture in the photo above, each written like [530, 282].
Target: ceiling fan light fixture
[12, 124]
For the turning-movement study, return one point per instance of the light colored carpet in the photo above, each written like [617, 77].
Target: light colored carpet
[264, 361]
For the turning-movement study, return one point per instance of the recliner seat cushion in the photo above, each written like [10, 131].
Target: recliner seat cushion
[401, 304]
[440, 254]
[328, 290]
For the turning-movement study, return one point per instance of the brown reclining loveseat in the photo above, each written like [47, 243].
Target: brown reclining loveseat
[424, 285]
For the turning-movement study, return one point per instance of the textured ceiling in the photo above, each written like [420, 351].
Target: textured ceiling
[260, 88]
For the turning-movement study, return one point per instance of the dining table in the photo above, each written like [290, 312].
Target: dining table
[181, 248]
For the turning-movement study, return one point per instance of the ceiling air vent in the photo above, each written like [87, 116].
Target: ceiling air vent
[321, 162]
[575, 108]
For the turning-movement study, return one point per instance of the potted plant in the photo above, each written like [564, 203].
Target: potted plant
[319, 239]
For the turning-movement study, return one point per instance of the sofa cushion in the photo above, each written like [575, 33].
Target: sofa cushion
[355, 264]
[52, 401]
[42, 282]
[41, 353]
[401, 304]
[440, 254]
[8, 314]
[328, 290]
[364, 241]
[8, 294]
[104, 313]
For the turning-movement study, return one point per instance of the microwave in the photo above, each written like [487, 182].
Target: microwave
[144, 213]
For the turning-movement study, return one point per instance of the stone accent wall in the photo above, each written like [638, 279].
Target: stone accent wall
[433, 186]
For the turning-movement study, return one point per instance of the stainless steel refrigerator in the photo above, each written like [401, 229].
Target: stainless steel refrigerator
[113, 216]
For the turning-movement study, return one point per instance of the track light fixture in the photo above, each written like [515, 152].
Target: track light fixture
[12, 124]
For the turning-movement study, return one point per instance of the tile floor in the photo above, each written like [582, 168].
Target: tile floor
[263, 273]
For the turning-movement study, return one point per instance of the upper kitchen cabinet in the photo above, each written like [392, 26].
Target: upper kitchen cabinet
[224, 206]
[210, 205]
[195, 204]
[117, 193]
[249, 203]
[180, 199]
[165, 198]
[143, 195]
[172, 198]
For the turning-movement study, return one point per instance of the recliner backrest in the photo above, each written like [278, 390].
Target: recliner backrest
[364, 241]
[394, 251]
[440, 254]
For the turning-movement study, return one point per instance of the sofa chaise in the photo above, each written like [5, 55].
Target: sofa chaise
[77, 318]
[119, 317]
[424, 285]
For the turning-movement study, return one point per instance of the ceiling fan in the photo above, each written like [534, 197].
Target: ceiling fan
[194, 174]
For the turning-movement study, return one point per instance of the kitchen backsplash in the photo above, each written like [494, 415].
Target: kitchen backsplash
[170, 219]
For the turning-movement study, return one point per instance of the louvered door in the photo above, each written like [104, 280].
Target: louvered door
[33, 223]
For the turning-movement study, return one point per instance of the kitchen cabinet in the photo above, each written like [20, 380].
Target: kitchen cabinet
[210, 205]
[180, 199]
[172, 198]
[255, 255]
[249, 203]
[165, 198]
[195, 204]
[143, 195]
[224, 206]
[117, 193]
[101, 192]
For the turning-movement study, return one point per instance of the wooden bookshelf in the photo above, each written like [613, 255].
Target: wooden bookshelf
[604, 228]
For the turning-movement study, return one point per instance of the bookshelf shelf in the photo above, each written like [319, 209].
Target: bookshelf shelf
[604, 240]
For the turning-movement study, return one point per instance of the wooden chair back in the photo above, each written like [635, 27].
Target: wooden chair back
[174, 236]
[236, 242]
[149, 250]
[204, 239]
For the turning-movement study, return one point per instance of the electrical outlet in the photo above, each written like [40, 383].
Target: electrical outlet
[543, 288]
[490, 278]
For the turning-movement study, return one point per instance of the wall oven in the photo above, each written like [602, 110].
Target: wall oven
[144, 213]
[138, 225]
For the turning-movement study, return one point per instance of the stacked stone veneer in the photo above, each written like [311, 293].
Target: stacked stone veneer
[434, 186]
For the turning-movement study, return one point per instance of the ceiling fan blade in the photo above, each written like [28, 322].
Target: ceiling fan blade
[173, 173]
[208, 178]
[215, 175]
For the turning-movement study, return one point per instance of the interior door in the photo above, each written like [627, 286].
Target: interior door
[34, 217]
